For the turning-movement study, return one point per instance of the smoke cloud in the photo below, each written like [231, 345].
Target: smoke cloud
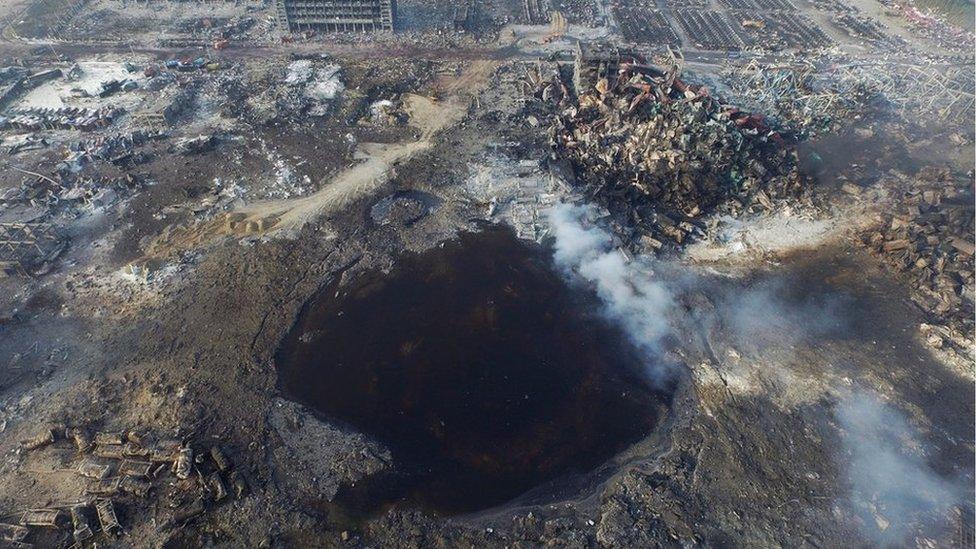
[632, 297]
[892, 487]
[766, 315]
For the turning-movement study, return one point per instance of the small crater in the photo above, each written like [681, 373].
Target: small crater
[403, 208]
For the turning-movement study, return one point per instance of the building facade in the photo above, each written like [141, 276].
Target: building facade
[336, 15]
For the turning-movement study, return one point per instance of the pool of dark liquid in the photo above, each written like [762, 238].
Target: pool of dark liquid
[484, 372]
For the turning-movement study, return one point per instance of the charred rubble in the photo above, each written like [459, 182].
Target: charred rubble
[660, 153]
[129, 471]
[929, 236]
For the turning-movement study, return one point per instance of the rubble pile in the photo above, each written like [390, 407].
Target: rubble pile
[659, 153]
[29, 248]
[117, 149]
[127, 470]
[68, 118]
[859, 26]
[196, 145]
[24, 142]
[930, 237]
[927, 23]
[542, 88]
[69, 191]
[582, 12]
[226, 28]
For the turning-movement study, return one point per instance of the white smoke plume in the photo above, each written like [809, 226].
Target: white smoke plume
[633, 298]
[762, 315]
[893, 488]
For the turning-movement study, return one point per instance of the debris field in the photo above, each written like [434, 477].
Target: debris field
[415, 273]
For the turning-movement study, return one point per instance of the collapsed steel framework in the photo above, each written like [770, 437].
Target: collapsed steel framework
[943, 91]
[336, 15]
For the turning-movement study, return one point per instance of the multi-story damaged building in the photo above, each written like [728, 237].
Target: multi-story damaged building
[595, 62]
[336, 15]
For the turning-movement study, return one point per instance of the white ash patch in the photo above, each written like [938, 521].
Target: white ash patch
[747, 238]
[322, 84]
[284, 182]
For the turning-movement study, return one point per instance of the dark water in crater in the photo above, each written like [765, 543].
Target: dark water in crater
[484, 372]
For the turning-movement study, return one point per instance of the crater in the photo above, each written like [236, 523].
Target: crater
[485, 373]
[403, 208]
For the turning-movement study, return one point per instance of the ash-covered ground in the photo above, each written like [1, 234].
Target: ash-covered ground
[577, 273]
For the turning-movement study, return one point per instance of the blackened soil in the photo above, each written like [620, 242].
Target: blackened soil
[478, 365]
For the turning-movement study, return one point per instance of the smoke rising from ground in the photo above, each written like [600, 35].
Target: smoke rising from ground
[631, 296]
[762, 314]
[765, 314]
[892, 486]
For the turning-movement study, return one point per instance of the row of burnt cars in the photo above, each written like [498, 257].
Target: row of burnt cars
[124, 473]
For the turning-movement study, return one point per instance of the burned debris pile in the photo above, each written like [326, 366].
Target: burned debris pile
[69, 118]
[126, 471]
[659, 153]
[811, 100]
[930, 237]
[117, 149]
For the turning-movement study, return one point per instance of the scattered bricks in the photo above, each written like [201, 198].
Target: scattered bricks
[184, 463]
[220, 459]
[41, 440]
[79, 521]
[106, 516]
[12, 533]
[92, 469]
[930, 238]
[42, 517]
